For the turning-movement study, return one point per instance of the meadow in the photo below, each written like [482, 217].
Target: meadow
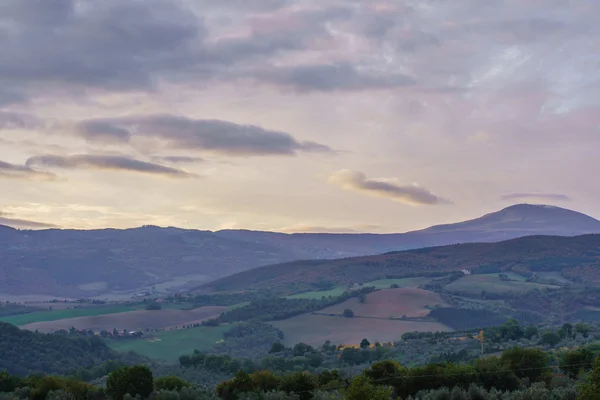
[169, 345]
[56, 315]
[394, 303]
[316, 329]
[131, 320]
[378, 284]
[491, 283]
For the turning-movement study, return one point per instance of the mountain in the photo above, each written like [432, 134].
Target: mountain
[512, 222]
[577, 258]
[80, 263]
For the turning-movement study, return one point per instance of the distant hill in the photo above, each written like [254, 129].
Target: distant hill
[79, 263]
[575, 257]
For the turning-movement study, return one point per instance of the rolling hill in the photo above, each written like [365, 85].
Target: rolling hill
[576, 257]
[79, 263]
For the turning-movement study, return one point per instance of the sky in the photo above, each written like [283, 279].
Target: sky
[295, 116]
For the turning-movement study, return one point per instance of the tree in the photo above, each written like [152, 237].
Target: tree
[550, 338]
[348, 313]
[531, 331]
[583, 329]
[277, 347]
[567, 328]
[135, 380]
[574, 362]
[527, 363]
[153, 306]
[590, 390]
[301, 383]
[364, 344]
[170, 383]
[361, 388]
[301, 349]
[362, 298]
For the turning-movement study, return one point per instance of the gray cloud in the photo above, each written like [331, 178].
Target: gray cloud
[536, 197]
[119, 46]
[192, 134]
[14, 171]
[106, 162]
[6, 219]
[357, 181]
[15, 120]
[327, 77]
[179, 159]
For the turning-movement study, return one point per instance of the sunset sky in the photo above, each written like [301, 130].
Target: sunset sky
[308, 115]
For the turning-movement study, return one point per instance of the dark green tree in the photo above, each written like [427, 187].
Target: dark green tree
[348, 313]
[550, 338]
[364, 344]
[277, 347]
[574, 362]
[527, 363]
[170, 383]
[135, 380]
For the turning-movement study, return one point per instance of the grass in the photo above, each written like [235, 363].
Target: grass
[491, 283]
[401, 282]
[169, 345]
[553, 275]
[56, 315]
[379, 284]
[336, 291]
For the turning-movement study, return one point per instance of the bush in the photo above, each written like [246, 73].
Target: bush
[348, 313]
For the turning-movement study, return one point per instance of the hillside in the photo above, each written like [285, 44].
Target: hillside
[576, 257]
[24, 352]
[79, 263]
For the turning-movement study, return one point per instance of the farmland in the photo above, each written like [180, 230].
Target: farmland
[473, 285]
[169, 345]
[378, 284]
[131, 320]
[61, 314]
[410, 302]
[316, 329]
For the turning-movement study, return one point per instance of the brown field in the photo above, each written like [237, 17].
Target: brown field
[387, 303]
[132, 320]
[316, 329]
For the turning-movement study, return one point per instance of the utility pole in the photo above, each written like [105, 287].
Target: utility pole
[481, 340]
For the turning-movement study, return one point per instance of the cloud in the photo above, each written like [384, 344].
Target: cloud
[216, 136]
[6, 219]
[14, 171]
[411, 195]
[179, 159]
[330, 229]
[536, 197]
[328, 77]
[106, 162]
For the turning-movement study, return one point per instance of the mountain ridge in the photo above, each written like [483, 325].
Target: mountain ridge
[91, 263]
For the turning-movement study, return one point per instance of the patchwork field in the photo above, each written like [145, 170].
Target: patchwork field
[379, 284]
[401, 282]
[316, 329]
[169, 345]
[336, 291]
[386, 303]
[60, 314]
[131, 320]
[491, 283]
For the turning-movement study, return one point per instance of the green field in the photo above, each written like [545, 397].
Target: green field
[491, 283]
[169, 345]
[336, 291]
[379, 284]
[55, 315]
[553, 275]
[401, 282]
